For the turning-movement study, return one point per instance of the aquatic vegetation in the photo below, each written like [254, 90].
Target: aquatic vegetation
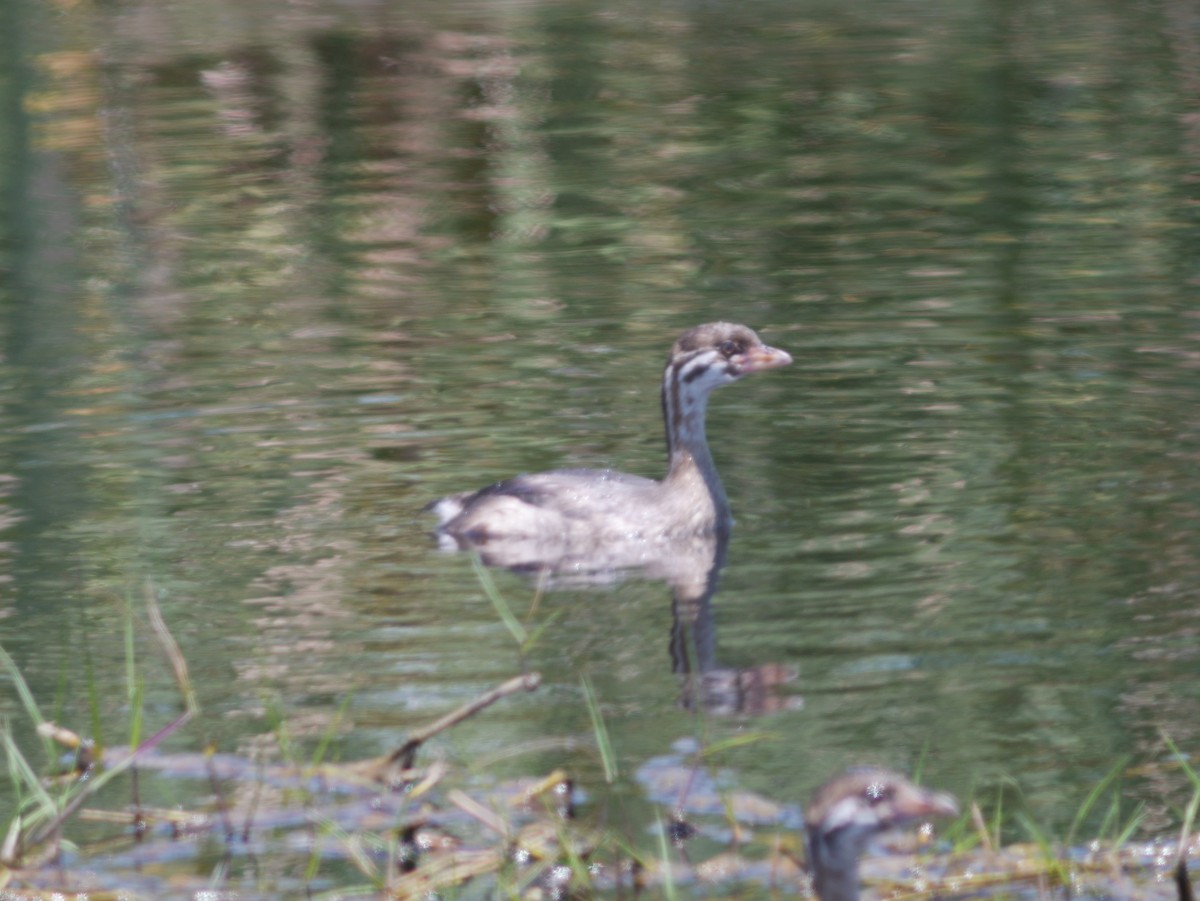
[401, 827]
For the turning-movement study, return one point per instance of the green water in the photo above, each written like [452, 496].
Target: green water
[272, 278]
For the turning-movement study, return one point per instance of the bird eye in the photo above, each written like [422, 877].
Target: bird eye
[729, 348]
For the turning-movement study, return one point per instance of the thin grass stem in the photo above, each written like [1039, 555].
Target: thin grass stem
[518, 631]
[600, 730]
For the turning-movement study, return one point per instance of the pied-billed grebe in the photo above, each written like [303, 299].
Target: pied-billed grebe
[849, 811]
[569, 506]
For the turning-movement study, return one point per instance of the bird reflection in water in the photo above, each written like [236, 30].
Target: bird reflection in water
[577, 526]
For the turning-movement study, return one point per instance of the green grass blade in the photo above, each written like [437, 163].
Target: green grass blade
[1193, 806]
[1112, 816]
[95, 712]
[25, 776]
[603, 742]
[1139, 814]
[664, 851]
[509, 618]
[330, 732]
[130, 657]
[919, 767]
[998, 819]
[536, 634]
[1038, 836]
[8, 665]
[283, 739]
[1093, 796]
[740, 740]
[1181, 760]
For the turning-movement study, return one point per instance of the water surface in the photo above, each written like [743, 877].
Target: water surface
[275, 280]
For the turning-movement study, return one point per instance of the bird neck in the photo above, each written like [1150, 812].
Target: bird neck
[690, 467]
[833, 863]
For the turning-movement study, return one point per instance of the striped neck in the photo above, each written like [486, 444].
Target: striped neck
[687, 381]
[833, 862]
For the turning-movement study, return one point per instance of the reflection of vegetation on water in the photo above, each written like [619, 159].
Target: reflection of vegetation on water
[388, 827]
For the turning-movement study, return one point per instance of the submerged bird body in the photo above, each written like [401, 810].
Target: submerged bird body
[568, 506]
[852, 809]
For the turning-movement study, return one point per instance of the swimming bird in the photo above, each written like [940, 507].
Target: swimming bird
[580, 508]
[850, 810]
